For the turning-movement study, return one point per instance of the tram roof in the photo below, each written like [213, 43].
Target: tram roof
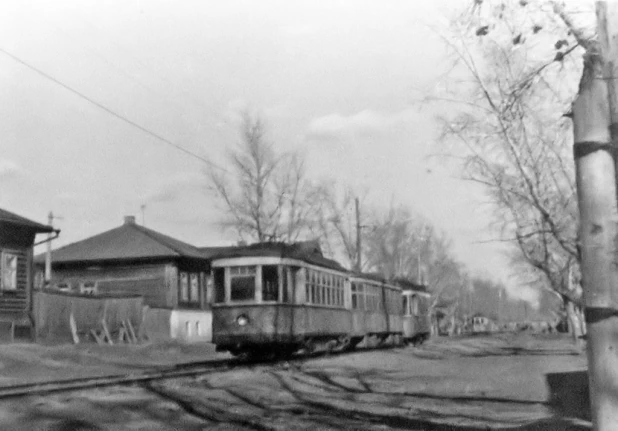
[307, 251]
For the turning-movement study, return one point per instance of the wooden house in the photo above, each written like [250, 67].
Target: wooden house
[171, 276]
[17, 235]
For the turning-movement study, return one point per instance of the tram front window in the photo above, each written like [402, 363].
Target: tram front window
[270, 283]
[242, 283]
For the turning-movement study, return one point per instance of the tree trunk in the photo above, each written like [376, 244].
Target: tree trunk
[575, 328]
[596, 190]
[451, 329]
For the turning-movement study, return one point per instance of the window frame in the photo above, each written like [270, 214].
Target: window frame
[3, 268]
[88, 288]
[244, 271]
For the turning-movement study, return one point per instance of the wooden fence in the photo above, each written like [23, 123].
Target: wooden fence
[70, 317]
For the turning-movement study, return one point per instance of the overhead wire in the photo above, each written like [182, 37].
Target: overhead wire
[128, 75]
[111, 112]
[150, 70]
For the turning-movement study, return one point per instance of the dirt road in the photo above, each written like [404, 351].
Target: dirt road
[478, 383]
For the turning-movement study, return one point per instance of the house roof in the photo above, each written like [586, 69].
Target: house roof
[406, 284]
[12, 218]
[127, 242]
[307, 251]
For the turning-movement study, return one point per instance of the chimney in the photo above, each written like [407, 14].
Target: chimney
[129, 219]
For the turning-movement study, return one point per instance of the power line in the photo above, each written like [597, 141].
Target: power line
[109, 111]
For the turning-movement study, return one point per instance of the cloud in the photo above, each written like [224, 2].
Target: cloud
[362, 123]
[174, 187]
[9, 169]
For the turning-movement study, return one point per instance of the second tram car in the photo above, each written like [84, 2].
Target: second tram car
[416, 318]
[275, 298]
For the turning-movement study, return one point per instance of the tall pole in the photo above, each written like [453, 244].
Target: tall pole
[418, 266]
[50, 221]
[358, 236]
[595, 128]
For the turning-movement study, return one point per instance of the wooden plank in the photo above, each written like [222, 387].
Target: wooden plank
[73, 328]
[98, 337]
[106, 332]
[122, 335]
[130, 330]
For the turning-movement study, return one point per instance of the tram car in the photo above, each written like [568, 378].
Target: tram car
[416, 317]
[277, 299]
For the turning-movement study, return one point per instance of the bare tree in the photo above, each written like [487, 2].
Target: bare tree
[519, 63]
[338, 222]
[265, 195]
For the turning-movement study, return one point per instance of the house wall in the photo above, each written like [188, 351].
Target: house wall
[160, 324]
[166, 315]
[16, 303]
[191, 325]
[147, 280]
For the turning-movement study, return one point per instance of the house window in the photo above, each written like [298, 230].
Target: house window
[184, 287]
[195, 289]
[9, 271]
[88, 288]
[242, 283]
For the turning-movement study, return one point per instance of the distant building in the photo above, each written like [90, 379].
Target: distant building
[481, 324]
[17, 235]
[172, 277]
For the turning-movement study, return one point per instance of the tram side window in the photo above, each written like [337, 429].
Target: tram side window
[270, 283]
[242, 283]
[219, 280]
[358, 296]
[405, 305]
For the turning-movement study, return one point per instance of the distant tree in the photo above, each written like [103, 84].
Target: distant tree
[338, 223]
[517, 66]
[265, 195]
[403, 244]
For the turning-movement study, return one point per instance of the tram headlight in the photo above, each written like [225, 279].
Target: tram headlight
[242, 320]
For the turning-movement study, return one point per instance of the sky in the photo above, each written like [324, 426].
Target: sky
[339, 81]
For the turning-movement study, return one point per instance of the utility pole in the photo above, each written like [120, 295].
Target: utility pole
[595, 132]
[358, 236]
[50, 222]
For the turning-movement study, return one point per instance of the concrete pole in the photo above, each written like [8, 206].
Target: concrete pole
[593, 119]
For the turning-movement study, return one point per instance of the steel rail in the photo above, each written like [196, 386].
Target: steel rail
[61, 385]
[159, 373]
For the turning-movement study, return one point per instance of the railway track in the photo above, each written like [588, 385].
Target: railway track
[180, 370]
[158, 373]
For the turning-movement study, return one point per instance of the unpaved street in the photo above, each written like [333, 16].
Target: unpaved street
[473, 383]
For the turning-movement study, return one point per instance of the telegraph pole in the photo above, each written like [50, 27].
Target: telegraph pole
[50, 222]
[358, 236]
[595, 131]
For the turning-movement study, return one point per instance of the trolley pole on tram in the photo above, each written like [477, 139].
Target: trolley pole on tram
[595, 132]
